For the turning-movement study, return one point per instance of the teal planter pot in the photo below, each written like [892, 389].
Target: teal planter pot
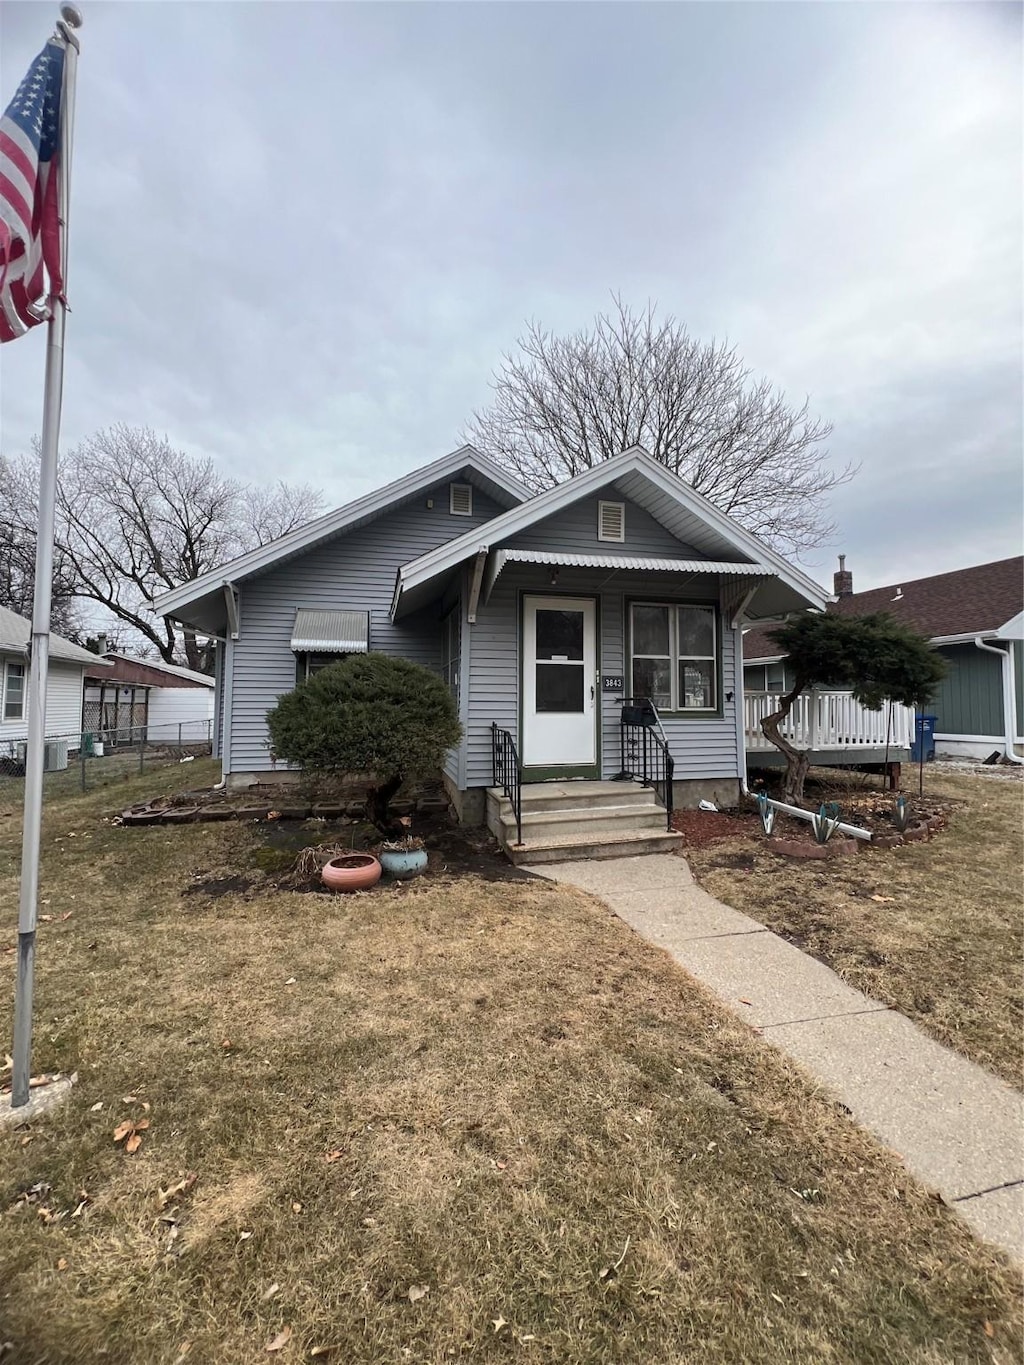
[403, 864]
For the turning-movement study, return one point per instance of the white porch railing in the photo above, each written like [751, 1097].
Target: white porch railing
[829, 720]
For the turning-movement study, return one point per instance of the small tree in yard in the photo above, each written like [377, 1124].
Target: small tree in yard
[877, 658]
[371, 715]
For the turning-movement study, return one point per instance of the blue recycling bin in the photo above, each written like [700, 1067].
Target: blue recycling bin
[924, 737]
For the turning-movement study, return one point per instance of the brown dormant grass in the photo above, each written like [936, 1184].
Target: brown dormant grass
[460, 1120]
[943, 944]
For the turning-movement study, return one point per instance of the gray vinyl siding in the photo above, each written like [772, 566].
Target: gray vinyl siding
[701, 747]
[575, 528]
[355, 572]
[970, 698]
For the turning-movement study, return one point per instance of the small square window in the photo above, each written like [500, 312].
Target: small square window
[611, 521]
[460, 502]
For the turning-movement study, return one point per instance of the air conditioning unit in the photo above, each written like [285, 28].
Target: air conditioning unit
[55, 756]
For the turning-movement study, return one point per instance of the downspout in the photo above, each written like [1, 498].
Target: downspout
[851, 831]
[1009, 723]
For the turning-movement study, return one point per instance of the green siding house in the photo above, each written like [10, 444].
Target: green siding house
[975, 619]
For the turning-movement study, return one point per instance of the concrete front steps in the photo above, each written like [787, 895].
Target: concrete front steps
[565, 821]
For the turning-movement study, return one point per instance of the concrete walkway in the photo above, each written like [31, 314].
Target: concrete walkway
[959, 1129]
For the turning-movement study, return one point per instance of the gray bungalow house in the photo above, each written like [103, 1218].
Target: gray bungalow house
[543, 613]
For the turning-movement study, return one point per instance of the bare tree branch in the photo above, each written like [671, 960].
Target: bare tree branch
[135, 517]
[564, 404]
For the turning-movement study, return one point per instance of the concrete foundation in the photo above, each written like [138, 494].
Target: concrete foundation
[687, 793]
[470, 806]
[273, 777]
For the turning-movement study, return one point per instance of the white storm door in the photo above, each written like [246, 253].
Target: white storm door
[559, 681]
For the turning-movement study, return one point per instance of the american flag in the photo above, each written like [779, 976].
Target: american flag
[30, 195]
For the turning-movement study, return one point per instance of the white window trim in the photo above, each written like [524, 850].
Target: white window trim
[675, 658]
[462, 488]
[451, 658]
[9, 664]
[621, 506]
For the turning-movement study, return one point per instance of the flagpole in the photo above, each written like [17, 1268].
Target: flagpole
[39, 649]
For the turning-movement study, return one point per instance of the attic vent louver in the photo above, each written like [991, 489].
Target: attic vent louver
[611, 521]
[461, 499]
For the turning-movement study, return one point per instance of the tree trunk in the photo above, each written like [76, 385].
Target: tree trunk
[379, 798]
[797, 760]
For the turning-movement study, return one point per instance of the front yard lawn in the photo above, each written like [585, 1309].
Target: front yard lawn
[931, 929]
[459, 1120]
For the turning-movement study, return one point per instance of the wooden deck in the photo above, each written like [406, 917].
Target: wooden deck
[834, 729]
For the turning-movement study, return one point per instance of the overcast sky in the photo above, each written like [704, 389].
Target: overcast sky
[302, 235]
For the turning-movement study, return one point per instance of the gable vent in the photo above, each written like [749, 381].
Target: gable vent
[611, 521]
[461, 499]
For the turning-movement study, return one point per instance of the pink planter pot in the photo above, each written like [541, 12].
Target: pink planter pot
[354, 872]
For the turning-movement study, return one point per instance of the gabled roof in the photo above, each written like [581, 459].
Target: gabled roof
[16, 631]
[498, 484]
[641, 479]
[984, 599]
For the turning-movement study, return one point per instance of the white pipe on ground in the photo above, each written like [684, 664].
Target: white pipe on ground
[1009, 725]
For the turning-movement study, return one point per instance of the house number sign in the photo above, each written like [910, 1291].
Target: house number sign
[611, 682]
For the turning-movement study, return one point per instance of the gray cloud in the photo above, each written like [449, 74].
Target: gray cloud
[303, 234]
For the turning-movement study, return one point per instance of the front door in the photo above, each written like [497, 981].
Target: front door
[559, 685]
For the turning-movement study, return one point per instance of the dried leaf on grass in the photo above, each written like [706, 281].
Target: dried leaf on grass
[164, 1197]
[335, 1154]
[131, 1130]
[418, 1291]
[279, 1342]
[884, 900]
[271, 1291]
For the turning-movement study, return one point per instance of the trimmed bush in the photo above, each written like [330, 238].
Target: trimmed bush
[369, 714]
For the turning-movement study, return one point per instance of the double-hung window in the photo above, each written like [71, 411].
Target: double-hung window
[14, 691]
[451, 651]
[674, 655]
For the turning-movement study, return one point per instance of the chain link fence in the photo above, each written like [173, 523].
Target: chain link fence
[88, 759]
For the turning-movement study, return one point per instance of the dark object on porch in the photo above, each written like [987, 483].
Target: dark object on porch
[644, 756]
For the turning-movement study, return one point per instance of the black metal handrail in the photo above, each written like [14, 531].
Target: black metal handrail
[644, 754]
[507, 772]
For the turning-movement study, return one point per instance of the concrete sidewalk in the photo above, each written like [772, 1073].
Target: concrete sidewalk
[956, 1127]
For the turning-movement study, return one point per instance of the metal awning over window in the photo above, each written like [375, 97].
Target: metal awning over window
[330, 632]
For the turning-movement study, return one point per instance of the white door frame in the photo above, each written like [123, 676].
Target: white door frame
[560, 743]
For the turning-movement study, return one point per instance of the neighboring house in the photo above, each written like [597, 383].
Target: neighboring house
[126, 697]
[975, 619]
[542, 613]
[64, 687]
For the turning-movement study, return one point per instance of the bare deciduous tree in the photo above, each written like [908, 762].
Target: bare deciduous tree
[18, 552]
[136, 517]
[564, 404]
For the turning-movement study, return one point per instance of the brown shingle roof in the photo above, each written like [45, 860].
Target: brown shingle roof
[966, 601]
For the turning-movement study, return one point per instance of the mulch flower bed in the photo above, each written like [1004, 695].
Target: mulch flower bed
[792, 837]
[703, 827]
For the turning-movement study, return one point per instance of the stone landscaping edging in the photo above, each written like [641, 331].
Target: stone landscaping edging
[146, 814]
[837, 848]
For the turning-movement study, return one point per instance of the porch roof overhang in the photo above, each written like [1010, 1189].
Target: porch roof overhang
[754, 588]
[696, 523]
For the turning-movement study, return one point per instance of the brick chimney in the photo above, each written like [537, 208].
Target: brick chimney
[842, 580]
